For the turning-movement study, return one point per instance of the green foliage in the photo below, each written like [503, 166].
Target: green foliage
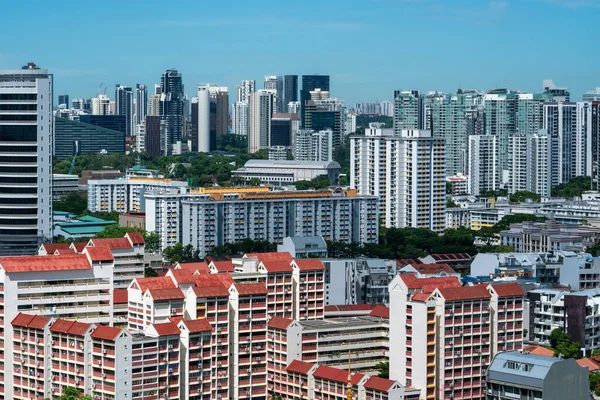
[448, 187]
[563, 345]
[451, 204]
[365, 120]
[232, 143]
[180, 253]
[152, 242]
[494, 193]
[72, 393]
[595, 382]
[383, 369]
[496, 249]
[108, 216]
[320, 182]
[116, 231]
[519, 197]
[150, 273]
[575, 187]
[508, 220]
[74, 202]
[245, 246]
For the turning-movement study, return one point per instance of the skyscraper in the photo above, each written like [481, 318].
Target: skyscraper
[326, 114]
[63, 99]
[283, 129]
[482, 162]
[101, 105]
[559, 94]
[124, 106]
[275, 82]
[240, 118]
[560, 124]
[246, 90]
[203, 132]
[171, 106]
[407, 110]
[154, 105]
[26, 157]
[310, 83]
[262, 105]
[220, 96]
[290, 90]
[141, 103]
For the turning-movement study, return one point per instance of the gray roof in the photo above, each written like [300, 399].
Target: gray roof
[301, 241]
[291, 164]
[533, 377]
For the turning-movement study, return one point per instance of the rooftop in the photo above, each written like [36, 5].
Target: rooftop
[465, 293]
[340, 323]
[70, 327]
[300, 367]
[279, 322]
[30, 321]
[63, 262]
[106, 332]
[523, 369]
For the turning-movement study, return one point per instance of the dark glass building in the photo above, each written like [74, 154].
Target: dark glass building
[310, 83]
[155, 135]
[282, 127]
[76, 138]
[172, 105]
[63, 99]
[124, 106]
[290, 90]
[112, 122]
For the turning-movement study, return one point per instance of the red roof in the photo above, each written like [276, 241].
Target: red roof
[427, 269]
[58, 252]
[201, 267]
[377, 383]
[421, 297]
[166, 329]
[182, 276]
[224, 280]
[223, 266]
[52, 247]
[428, 285]
[508, 289]
[251, 288]
[349, 307]
[166, 294]
[162, 282]
[67, 262]
[279, 322]
[112, 243]
[106, 332]
[380, 311]
[211, 291]
[335, 374]
[451, 257]
[310, 264]
[277, 266]
[70, 327]
[538, 350]
[276, 256]
[197, 325]
[120, 296]
[99, 253]
[465, 293]
[136, 238]
[588, 362]
[79, 246]
[30, 321]
[408, 261]
[299, 367]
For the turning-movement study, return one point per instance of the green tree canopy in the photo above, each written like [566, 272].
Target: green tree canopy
[519, 197]
[575, 187]
[72, 393]
[383, 369]
[563, 345]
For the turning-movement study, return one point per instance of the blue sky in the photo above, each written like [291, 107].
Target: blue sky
[369, 47]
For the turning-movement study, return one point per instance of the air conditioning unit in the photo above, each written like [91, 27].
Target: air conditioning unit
[170, 370]
[105, 352]
[257, 358]
[99, 362]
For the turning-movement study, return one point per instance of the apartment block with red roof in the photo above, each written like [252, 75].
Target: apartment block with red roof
[507, 316]
[153, 300]
[25, 377]
[120, 308]
[309, 279]
[128, 253]
[196, 358]
[112, 362]
[277, 351]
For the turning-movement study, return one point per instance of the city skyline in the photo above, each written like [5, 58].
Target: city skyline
[501, 46]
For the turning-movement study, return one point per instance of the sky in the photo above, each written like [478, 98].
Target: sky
[368, 47]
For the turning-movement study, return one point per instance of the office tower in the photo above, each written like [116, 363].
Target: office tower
[294, 108]
[275, 83]
[283, 128]
[290, 90]
[141, 103]
[75, 138]
[101, 105]
[593, 95]
[262, 104]
[240, 118]
[87, 105]
[203, 133]
[124, 106]
[318, 94]
[560, 122]
[559, 94]
[157, 88]
[63, 99]
[329, 113]
[406, 172]
[156, 136]
[407, 110]
[26, 136]
[313, 146]
[113, 122]
[220, 96]
[531, 163]
[172, 106]
[78, 104]
[310, 83]
[246, 90]
[449, 120]
[482, 164]
[154, 105]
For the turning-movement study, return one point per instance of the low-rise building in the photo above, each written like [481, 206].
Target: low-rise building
[63, 184]
[286, 172]
[548, 236]
[304, 247]
[528, 376]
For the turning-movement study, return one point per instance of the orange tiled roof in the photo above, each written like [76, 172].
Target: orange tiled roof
[135, 237]
[201, 267]
[277, 266]
[381, 311]
[112, 243]
[162, 282]
[275, 256]
[428, 285]
[588, 362]
[310, 264]
[538, 350]
[211, 291]
[465, 293]
[106, 332]
[182, 276]
[166, 329]
[251, 288]
[279, 322]
[99, 253]
[197, 325]
[508, 289]
[421, 296]
[30, 321]
[433, 268]
[52, 247]
[67, 262]
[300, 367]
[223, 266]
[120, 296]
[380, 384]
[166, 294]
[70, 327]
[79, 246]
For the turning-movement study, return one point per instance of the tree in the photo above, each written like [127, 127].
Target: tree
[519, 197]
[116, 231]
[383, 369]
[508, 220]
[496, 249]
[563, 345]
[152, 242]
[451, 203]
[74, 203]
[72, 393]
[575, 187]
[595, 382]
[150, 273]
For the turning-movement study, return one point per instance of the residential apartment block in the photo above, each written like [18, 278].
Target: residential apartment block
[548, 236]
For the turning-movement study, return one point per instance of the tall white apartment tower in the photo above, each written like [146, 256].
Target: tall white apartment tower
[141, 103]
[203, 95]
[246, 90]
[482, 163]
[407, 172]
[240, 118]
[262, 105]
[26, 135]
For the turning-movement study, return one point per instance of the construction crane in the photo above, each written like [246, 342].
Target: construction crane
[349, 391]
[72, 165]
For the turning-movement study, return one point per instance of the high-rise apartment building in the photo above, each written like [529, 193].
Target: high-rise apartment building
[593, 95]
[290, 90]
[313, 146]
[559, 94]
[203, 134]
[240, 118]
[407, 110]
[406, 172]
[78, 104]
[141, 103]
[262, 105]
[172, 106]
[245, 90]
[326, 113]
[26, 144]
[124, 106]
[482, 164]
[275, 82]
[531, 162]
[220, 96]
[101, 105]
[154, 105]
[63, 99]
